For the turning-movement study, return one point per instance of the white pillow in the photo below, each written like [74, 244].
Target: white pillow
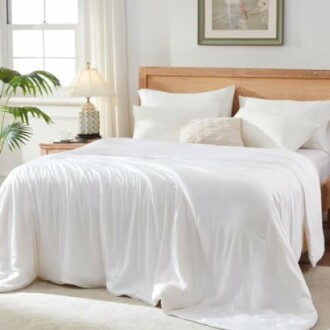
[262, 129]
[219, 131]
[223, 97]
[164, 123]
[315, 111]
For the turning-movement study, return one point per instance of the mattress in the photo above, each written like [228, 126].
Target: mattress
[320, 159]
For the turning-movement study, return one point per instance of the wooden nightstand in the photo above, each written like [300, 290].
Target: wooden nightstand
[52, 148]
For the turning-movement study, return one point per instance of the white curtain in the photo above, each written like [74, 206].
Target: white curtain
[104, 37]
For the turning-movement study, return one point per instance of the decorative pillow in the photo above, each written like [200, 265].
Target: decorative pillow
[220, 131]
[314, 111]
[164, 123]
[262, 129]
[223, 97]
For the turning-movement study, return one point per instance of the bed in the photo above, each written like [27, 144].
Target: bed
[261, 83]
[130, 215]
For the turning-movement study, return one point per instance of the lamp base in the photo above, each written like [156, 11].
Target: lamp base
[89, 136]
[89, 122]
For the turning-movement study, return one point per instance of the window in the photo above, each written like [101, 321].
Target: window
[42, 34]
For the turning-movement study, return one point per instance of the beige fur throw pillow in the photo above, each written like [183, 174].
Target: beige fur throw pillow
[220, 131]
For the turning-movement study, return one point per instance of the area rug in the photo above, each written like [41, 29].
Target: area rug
[47, 306]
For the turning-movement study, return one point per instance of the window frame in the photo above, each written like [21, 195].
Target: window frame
[6, 54]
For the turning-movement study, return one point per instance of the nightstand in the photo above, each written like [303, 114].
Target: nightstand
[52, 148]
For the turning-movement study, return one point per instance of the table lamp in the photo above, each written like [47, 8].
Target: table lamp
[88, 82]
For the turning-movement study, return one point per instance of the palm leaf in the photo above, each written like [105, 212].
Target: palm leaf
[24, 83]
[15, 135]
[6, 75]
[22, 113]
[39, 81]
[45, 75]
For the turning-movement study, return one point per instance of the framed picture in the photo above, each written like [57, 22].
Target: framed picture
[240, 22]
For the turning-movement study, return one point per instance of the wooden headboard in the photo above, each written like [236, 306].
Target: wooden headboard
[262, 83]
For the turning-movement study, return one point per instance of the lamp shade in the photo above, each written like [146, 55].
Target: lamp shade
[88, 82]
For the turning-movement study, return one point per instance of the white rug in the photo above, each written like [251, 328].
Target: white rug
[47, 306]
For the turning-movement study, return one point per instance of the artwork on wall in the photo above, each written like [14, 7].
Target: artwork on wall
[240, 22]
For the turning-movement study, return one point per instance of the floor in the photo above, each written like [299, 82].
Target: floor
[46, 306]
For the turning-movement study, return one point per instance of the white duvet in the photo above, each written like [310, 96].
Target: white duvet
[214, 233]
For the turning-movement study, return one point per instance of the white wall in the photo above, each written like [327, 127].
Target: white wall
[164, 33]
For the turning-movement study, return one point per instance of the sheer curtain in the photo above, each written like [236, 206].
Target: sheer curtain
[104, 39]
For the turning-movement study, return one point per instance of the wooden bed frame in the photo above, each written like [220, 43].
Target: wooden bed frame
[263, 83]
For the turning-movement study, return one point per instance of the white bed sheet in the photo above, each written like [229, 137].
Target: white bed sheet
[213, 232]
[320, 159]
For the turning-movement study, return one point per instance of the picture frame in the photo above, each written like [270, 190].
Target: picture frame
[240, 22]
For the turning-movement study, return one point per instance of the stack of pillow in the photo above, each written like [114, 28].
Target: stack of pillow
[285, 123]
[206, 118]
[162, 115]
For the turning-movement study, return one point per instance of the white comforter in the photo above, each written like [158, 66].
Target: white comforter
[213, 232]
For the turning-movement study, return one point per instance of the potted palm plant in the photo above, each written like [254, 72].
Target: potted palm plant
[15, 130]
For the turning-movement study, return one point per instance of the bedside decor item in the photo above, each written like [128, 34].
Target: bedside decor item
[64, 136]
[236, 22]
[17, 132]
[88, 82]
